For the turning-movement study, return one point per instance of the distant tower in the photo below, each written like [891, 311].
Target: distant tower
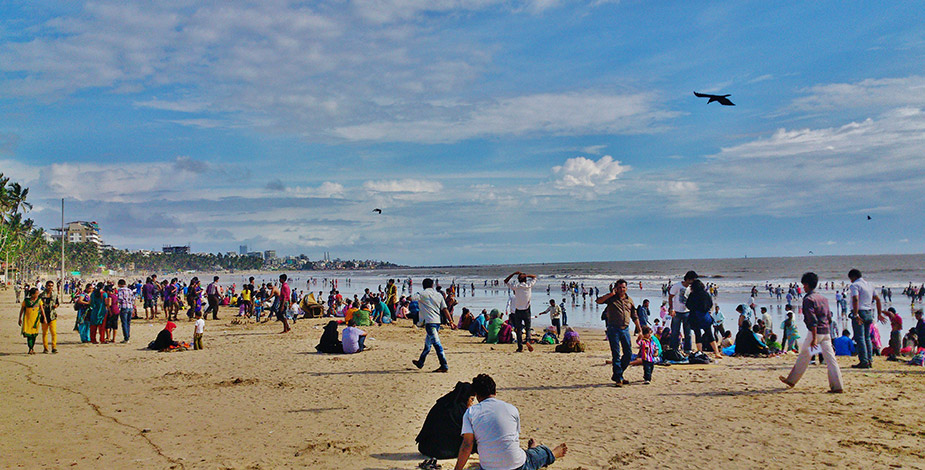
[242, 250]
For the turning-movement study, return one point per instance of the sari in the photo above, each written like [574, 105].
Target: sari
[30, 318]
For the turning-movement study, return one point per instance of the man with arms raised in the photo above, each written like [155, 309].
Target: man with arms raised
[495, 427]
[523, 291]
[618, 314]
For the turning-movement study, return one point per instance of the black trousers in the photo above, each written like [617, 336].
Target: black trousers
[213, 307]
[521, 319]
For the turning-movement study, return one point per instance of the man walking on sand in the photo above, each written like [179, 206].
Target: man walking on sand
[432, 309]
[619, 312]
[494, 426]
[523, 291]
[818, 319]
[214, 297]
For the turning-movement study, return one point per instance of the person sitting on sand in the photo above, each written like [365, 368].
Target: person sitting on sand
[479, 325]
[330, 340]
[164, 339]
[494, 426]
[727, 339]
[747, 342]
[494, 327]
[353, 338]
[571, 342]
[844, 345]
[362, 316]
[465, 319]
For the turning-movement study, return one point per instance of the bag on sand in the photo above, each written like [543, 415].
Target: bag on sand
[440, 437]
[699, 357]
[673, 355]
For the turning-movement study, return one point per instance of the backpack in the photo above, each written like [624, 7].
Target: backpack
[699, 357]
[673, 355]
[506, 334]
[441, 434]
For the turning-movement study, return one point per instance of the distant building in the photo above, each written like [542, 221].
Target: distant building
[255, 254]
[176, 250]
[242, 250]
[80, 231]
[269, 254]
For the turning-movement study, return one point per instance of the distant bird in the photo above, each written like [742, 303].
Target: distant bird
[721, 99]
[811, 252]
[377, 210]
[868, 217]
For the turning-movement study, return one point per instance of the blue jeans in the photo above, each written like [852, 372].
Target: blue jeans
[862, 335]
[433, 339]
[678, 321]
[125, 315]
[619, 338]
[538, 457]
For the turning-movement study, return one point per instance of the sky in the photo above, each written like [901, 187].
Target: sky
[488, 132]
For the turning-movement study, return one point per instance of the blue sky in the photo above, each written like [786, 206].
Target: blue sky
[487, 131]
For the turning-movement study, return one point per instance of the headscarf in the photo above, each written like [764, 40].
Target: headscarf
[495, 313]
[171, 326]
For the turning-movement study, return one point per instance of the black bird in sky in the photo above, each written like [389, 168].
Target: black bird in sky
[868, 217]
[721, 99]
[377, 210]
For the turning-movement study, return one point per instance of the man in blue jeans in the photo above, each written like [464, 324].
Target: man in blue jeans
[494, 426]
[863, 297]
[617, 315]
[432, 309]
[677, 310]
[126, 299]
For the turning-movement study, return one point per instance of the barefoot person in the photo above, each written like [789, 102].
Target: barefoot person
[520, 319]
[494, 426]
[818, 321]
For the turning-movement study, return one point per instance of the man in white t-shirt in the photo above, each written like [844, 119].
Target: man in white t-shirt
[677, 310]
[862, 314]
[495, 427]
[520, 319]
[353, 338]
[432, 309]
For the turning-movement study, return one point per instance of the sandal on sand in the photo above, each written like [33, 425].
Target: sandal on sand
[429, 464]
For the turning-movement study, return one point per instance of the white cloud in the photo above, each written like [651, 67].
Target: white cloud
[567, 113]
[587, 176]
[593, 149]
[871, 93]
[327, 189]
[403, 186]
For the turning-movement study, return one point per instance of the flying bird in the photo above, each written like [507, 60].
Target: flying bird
[377, 210]
[721, 99]
[868, 217]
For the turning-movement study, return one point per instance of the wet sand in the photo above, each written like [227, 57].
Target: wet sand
[255, 399]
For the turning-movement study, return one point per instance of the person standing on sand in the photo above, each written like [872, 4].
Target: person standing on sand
[30, 314]
[147, 295]
[432, 309]
[391, 299]
[49, 318]
[494, 426]
[862, 317]
[617, 315]
[818, 319]
[677, 310]
[523, 291]
[213, 297]
[283, 299]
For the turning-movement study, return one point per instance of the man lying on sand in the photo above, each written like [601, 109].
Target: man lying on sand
[495, 426]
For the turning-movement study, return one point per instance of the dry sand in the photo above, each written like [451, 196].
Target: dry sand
[257, 399]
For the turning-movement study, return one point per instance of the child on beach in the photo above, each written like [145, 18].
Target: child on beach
[647, 352]
[198, 328]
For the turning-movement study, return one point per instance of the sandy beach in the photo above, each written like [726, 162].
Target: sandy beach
[255, 399]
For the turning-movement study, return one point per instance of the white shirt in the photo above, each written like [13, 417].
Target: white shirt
[430, 303]
[350, 338]
[496, 427]
[865, 294]
[522, 292]
[680, 297]
[199, 326]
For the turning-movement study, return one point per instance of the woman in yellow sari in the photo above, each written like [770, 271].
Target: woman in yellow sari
[29, 317]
